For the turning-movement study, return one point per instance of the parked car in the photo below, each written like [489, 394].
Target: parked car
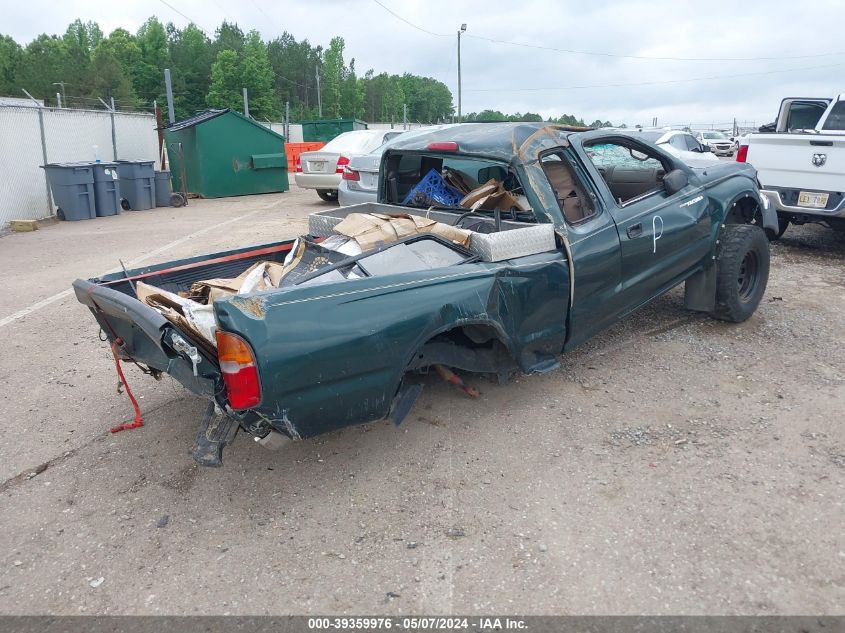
[321, 170]
[359, 181]
[718, 142]
[802, 169]
[678, 143]
[608, 223]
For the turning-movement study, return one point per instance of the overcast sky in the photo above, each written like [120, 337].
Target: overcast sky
[510, 78]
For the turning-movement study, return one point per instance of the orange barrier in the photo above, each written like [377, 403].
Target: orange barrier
[293, 150]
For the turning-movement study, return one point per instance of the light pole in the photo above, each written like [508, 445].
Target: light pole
[463, 30]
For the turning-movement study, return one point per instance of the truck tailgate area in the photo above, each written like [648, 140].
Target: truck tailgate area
[790, 161]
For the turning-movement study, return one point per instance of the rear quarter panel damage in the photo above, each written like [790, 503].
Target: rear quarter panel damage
[334, 355]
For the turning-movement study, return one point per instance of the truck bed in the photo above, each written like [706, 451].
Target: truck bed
[177, 276]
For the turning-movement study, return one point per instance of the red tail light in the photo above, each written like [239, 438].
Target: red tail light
[742, 154]
[350, 174]
[299, 164]
[445, 146]
[341, 163]
[240, 373]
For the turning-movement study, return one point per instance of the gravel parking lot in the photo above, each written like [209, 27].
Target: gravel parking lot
[673, 465]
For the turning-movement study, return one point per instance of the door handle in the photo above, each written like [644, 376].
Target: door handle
[635, 230]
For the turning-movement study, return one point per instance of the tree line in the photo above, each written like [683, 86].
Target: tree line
[84, 65]
[564, 119]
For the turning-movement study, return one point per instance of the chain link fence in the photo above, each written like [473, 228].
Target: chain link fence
[33, 136]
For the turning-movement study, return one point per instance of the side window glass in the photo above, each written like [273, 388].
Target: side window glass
[575, 205]
[692, 144]
[679, 141]
[836, 118]
[630, 171]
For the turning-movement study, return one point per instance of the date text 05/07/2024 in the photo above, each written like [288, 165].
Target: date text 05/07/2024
[417, 623]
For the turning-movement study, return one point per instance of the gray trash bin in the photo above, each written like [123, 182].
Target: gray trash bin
[72, 185]
[106, 189]
[163, 191]
[137, 184]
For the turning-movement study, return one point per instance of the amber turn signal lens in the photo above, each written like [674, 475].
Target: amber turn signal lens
[231, 348]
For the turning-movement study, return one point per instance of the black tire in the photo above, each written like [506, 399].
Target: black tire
[60, 214]
[329, 195]
[177, 199]
[124, 204]
[742, 271]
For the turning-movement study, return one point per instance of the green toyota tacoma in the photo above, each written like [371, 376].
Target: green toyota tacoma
[563, 233]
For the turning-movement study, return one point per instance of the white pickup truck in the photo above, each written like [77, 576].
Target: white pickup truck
[800, 161]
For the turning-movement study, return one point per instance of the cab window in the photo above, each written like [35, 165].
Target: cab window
[575, 205]
[836, 118]
[630, 171]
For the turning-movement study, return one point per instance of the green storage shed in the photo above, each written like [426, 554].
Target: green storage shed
[223, 153]
[325, 130]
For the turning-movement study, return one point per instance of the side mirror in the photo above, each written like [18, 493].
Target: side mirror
[674, 181]
[705, 148]
[638, 155]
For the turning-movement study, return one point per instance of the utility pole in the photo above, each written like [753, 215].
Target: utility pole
[59, 99]
[319, 96]
[404, 116]
[462, 30]
[246, 104]
[171, 116]
[160, 130]
[287, 121]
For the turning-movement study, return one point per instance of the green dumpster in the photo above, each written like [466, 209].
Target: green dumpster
[223, 153]
[325, 130]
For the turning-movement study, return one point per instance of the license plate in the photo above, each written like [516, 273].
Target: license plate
[368, 181]
[812, 200]
[317, 165]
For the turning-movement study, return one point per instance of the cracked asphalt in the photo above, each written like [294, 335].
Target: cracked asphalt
[672, 465]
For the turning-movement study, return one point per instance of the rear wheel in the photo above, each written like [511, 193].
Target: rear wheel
[329, 195]
[742, 271]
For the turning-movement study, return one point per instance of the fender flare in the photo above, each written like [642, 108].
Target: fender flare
[768, 213]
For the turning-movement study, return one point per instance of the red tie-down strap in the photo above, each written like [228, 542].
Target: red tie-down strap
[137, 422]
[453, 379]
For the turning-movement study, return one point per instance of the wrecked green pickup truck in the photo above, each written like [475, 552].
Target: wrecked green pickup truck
[581, 229]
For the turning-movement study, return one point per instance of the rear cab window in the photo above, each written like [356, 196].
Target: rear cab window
[453, 183]
[804, 115]
[572, 199]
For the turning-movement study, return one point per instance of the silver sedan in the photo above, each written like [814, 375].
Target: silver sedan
[321, 170]
[359, 181]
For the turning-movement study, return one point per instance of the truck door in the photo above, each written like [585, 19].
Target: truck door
[593, 247]
[662, 237]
